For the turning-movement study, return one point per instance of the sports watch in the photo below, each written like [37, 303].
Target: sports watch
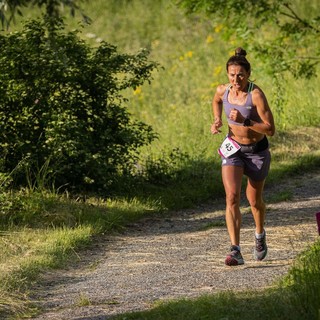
[247, 122]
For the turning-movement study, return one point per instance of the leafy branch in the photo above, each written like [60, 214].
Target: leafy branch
[53, 8]
[272, 30]
[295, 16]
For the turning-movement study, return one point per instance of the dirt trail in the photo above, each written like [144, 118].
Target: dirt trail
[180, 256]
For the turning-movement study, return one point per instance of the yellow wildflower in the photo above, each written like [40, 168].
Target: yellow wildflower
[214, 84]
[189, 54]
[217, 70]
[209, 39]
[218, 28]
[137, 91]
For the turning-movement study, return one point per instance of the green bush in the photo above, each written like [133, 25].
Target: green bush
[61, 102]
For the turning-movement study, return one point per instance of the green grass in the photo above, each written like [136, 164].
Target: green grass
[177, 104]
[42, 230]
[284, 195]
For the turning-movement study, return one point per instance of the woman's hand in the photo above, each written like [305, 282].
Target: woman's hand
[236, 116]
[216, 125]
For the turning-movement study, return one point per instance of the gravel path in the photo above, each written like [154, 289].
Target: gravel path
[180, 255]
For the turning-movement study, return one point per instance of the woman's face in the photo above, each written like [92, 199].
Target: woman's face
[238, 77]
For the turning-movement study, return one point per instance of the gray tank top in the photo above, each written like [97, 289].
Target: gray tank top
[248, 110]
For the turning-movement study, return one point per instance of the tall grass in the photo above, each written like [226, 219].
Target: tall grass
[193, 56]
[41, 230]
[177, 104]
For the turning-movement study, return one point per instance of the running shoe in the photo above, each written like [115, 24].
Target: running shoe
[261, 249]
[234, 258]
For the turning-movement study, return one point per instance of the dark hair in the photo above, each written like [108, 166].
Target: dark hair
[239, 59]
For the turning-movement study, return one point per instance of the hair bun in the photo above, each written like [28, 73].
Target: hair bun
[240, 52]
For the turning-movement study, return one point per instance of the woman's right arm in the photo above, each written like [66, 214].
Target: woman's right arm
[217, 109]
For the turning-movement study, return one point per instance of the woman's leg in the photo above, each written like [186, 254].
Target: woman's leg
[232, 178]
[258, 208]
[254, 195]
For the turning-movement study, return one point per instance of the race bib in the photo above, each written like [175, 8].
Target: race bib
[228, 147]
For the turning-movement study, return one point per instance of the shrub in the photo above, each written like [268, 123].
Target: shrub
[61, 102]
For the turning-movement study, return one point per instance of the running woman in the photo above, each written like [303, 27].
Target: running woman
[244, 151]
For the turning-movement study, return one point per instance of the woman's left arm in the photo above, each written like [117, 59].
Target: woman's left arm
[267, 125]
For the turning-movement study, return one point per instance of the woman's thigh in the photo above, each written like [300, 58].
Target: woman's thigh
[232, 180]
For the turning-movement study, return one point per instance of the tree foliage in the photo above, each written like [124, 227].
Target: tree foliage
[275, 30]
[9, 8]
[61, 102]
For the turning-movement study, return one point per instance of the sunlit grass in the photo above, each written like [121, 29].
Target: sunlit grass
[47, 231]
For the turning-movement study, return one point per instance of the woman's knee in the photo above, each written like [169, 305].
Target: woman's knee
[232, 199]
[254, 194]
[257, 204]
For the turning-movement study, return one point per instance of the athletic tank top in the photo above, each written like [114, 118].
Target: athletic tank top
[248, 110]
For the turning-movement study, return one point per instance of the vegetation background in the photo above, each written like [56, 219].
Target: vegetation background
[41, 228]
[192, 51]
